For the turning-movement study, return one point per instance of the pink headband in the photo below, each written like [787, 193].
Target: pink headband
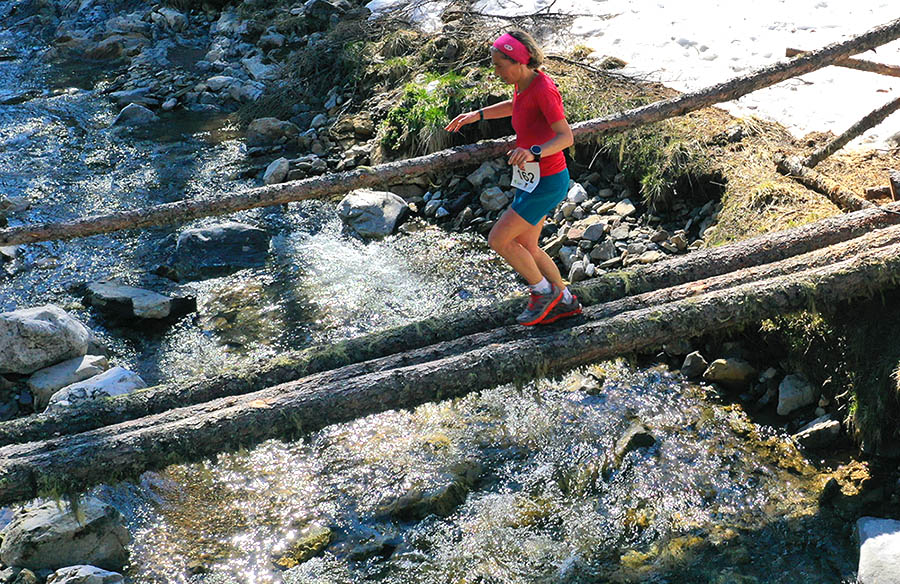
[513, 48]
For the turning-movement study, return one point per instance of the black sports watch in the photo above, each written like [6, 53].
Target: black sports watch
[536, 152]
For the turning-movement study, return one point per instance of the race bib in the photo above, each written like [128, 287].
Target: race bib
[527, 178]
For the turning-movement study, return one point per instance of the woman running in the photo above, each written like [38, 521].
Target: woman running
[542, 133]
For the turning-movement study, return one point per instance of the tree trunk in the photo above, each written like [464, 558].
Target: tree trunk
[698, 267]
[794, 168]
[867, 123]
[183, 211]
[858, 64]
[73, 463]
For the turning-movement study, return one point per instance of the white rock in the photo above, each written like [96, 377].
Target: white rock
[45, 382]
[258, 70]
[819, 433]
[277, 171]
[795, 392]
[219, 82]
[879, 551]
[372, 214]
[485, 171]
[84, 575]
[625, 208]
[34, 338]
[577, 194]
[493, 199]
[116, 381]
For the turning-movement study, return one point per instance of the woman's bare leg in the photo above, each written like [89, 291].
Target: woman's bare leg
[504, 240]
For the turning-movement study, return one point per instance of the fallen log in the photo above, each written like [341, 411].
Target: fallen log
[858, 64]
[878, 192]
[73, 463]
[894, 178]
[794, 168]
[699, 265]
[183, 211]
[867, 123]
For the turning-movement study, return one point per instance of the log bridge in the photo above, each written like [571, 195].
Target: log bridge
[837, 259]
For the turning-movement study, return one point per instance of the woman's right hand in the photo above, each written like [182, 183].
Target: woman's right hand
[461, 120]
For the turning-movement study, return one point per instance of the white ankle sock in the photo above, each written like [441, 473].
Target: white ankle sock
[567, 296]
[542, 287]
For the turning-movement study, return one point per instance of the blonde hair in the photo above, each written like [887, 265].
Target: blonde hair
[537, 55]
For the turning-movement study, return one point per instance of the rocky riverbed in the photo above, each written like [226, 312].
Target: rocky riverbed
[123, 104]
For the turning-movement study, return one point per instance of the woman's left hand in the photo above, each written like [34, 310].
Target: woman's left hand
[520, 156]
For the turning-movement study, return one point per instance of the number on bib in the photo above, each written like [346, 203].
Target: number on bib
[527, 178]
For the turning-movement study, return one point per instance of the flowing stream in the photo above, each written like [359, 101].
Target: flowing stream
[513, 484]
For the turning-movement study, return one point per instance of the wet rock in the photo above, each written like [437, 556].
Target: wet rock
[128, 303]
[636, 436]
[45, 382]
[432, 206]
[116, 381]
[208, 252]
[34, 338]
[140, 96]
[277, 171]
[372, 214]
[50, 536]
[311, 542]
[795, 392]
[440, 498]
[819, 433]
[493, 199]
[268, 131]
[134, 115]
[84, 575]
[879, 550]
[734, 374]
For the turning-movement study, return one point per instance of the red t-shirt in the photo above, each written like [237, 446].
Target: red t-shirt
[534, 109]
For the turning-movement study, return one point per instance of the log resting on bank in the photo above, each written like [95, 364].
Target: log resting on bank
[183, 211]
[698, 266]
[74, 463]
[858, 64]
[793, 167]
[863, 125]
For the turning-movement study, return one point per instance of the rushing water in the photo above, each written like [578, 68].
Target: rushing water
[533, 490]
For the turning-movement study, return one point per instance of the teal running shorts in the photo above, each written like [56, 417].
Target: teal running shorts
[550, 192]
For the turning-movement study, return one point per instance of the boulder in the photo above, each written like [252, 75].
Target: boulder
[34, 338]
[45, 382]
[50, 537]
[625, 208]
[277, 171]
[134, 115]
[258, 70]
[694, 365]
[493, 199]
[795, 392]
[126, 302]
[372, 214]
[484, 173]
[819, 433]
[116, 381]
[879, 551]
[268, 131]
[84, 575]
[207, 252]
[734, 374]
[577, 194]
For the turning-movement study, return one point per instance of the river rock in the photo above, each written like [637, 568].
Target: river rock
[116, 381]
[50, 537]
[128, 23]
[819, 433]
[323, 10]
[34, 338]
[493, 199]
[126, 302]
[140, 96]
[45, 382]
[879, 550]
[484, 173]
[372, 214]
[625, 208]
[134, 115]
[170, 18]
[277, 171]
[106, 50]
[271, 40]
[605, 251]
[312, 540]
[636, 436]
[320, 121]
[594, 233]
[440, 498]
[217, 250]
[577, 194]
[258, 70]
[795, 392]
[735, 374]
[219, 82]
[84, 575]
[268, 131]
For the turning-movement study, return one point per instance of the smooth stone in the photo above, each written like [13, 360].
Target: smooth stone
[577, 194]
[484, 173]
[115, 381]
[819, 433]
[625, 208]
[217, 250]
[268, 131]
[735, 374]
[35, 338]
[372, 214]
[45, 382]
[84, 575]
[594, 232]
[120, 301]
[277, 171]
[694, 365]
[134, 115]
[493, 199]
[879, 550]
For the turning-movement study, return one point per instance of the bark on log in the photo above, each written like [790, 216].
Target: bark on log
[858, 64]
[73, 463]
[894, 177]
[794, 168]
[183, 211]
[878, 192]
[867, 123]
[697, 266]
